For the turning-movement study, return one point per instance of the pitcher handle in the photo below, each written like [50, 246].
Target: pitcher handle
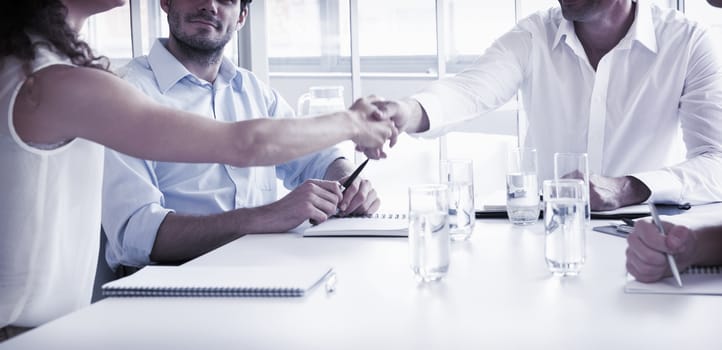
[303, 103]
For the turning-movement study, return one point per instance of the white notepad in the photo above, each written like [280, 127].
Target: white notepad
[696, 280]
[202, 281]
[386, 225]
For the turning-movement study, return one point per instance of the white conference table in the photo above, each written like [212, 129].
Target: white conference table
[498, 295]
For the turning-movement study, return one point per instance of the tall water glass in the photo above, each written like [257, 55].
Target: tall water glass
[429, 231]
[458, 175]
[522, 187]
[564, 226]
[574, 166]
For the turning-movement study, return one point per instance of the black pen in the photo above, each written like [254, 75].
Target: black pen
[353, 176]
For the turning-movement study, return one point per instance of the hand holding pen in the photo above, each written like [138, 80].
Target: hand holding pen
[359, 197]
[648, 249]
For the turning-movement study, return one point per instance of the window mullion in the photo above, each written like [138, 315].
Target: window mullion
[355, 54]
[136, 28]
[441, 61]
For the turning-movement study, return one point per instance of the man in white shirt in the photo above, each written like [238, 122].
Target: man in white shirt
[160, 212]
[613, 78]
[698, 244]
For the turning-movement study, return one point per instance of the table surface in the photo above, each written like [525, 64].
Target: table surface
[497, 294]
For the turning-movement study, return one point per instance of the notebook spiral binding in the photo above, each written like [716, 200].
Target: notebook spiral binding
[204, 292]
[704, 270]
[385, 216]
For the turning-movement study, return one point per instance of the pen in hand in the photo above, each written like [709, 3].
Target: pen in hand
[353, 176]
[349, 181]
[670, 258]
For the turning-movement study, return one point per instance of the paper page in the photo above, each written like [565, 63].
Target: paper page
[394, 225]
[696, 280]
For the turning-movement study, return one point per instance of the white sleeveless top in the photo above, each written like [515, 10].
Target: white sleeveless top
[49, 215]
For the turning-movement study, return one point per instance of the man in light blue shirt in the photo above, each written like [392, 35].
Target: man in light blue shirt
[159, 212]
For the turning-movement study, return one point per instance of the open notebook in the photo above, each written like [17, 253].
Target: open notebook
[214, 281]
[388, 225]
[703, 280]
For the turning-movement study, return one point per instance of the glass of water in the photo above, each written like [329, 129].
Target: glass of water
[458, 175]
[564, 226]
[429, 231]
[574, 166]
[522, 187]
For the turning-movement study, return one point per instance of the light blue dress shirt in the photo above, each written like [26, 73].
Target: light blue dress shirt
[138, 194]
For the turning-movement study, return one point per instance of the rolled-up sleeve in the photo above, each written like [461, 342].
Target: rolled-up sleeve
[132, 210]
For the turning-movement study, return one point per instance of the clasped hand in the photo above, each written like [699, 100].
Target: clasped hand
[375, 128]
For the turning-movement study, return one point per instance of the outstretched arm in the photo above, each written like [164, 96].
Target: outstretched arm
[60, 103]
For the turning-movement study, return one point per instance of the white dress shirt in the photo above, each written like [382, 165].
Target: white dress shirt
[658, 90]
[138, 194]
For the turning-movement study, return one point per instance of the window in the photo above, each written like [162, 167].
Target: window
[108, 34]
[704, 13]
[308, 36]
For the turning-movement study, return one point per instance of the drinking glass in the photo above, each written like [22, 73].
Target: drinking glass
[458, 175]
[574, 166]
[429, 231]
[564, 226]
[522, 187]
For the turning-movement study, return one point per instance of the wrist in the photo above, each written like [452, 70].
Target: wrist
[353, 119]
[634, 191]
[418, 120]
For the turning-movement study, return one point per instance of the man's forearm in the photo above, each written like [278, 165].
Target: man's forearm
[184, 237]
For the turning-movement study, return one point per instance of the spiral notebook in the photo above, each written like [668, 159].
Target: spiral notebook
[213, 281]
[701, 280]
[379, 224]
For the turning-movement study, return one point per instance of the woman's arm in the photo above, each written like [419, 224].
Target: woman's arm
[60, 103]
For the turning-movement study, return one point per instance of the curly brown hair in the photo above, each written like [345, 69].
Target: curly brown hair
[45, 18]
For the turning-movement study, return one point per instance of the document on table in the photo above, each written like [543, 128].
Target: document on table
[384, 225]
[700, 280]
[218, 281]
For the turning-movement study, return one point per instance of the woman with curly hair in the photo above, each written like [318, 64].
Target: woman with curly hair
[60, 105]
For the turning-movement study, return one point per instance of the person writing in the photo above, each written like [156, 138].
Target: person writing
[699, 245]
[178, 211]
[60, 105]
[613, 78]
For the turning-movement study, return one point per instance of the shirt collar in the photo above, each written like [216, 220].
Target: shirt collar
[168, 71]
[642, 29]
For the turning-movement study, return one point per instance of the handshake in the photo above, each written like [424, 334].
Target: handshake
[375, 121]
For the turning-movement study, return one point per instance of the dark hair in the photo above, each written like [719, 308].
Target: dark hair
[45, 18]
[245, 3]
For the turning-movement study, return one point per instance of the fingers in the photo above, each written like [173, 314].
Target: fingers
[358, 199]
[394, 136]
[318, 199]
[327, 190]
[650, 236]
[646, 259]
[680, 239]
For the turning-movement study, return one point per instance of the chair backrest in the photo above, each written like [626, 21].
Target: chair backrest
[103, 272]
